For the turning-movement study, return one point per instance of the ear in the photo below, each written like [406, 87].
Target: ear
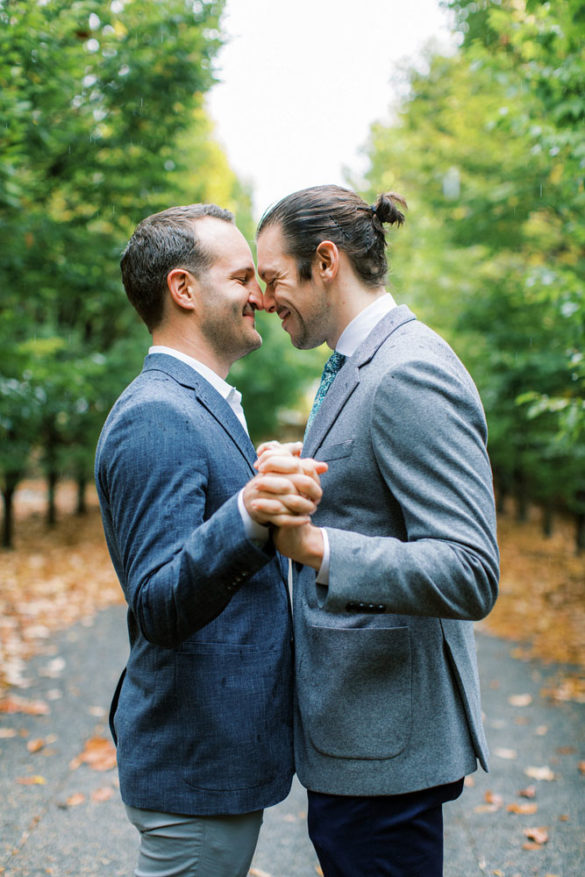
[182, 288]
[327, 260]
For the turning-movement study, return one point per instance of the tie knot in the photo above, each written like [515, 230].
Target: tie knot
[333, 364]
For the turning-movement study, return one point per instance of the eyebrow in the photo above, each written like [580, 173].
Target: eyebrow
[267, 272]
[243, 269]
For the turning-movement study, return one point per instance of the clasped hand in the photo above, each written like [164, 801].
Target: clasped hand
[287, 489]
[285, 494]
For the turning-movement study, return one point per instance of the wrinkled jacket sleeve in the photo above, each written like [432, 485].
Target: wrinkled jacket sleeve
[428, 434]
[179, 551]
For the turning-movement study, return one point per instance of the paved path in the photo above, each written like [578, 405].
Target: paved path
[41, 835]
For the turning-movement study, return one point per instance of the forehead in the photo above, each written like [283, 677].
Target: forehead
[272, 255]
[224, 241]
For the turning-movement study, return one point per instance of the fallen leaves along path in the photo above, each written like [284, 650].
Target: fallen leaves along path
[541, 606]
[53, 578]
[56, 577]
[524, 818]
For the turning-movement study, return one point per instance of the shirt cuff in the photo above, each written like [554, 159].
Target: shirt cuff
[323, 574]
[255, 532]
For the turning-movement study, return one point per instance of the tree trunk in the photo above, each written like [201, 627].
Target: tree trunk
[81, 503]
[580, 533]
[52, 479]
[547, 520]
[8, 522]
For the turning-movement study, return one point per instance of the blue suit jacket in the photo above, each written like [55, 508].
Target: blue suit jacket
[203, 712]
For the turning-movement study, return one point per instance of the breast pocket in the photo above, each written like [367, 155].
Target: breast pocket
[355, 691]
[335, 452]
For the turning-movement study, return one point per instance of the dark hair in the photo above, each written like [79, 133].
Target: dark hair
[161, 242]
[333, 213]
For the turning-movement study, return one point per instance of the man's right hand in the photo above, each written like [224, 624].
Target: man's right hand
[286, 491]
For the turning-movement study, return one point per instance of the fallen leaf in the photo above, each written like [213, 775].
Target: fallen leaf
[16, 704]
[53, 669]
[582, 766]
[531, 845]
[102, 794]
[486, 808]
[528, 792]
[469, 782]
[564, 817]
[538, 835]
[541, 730]
[506, 753]
[31, 781]
[522, 809]
[540, 773]
[7, 733]
[98, 754]
[75, 800]
[256, 872]
[566, 750]
[520, 699]
[35, 745]
[493, 798]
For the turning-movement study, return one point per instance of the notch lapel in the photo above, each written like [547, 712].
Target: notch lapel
[208, 396]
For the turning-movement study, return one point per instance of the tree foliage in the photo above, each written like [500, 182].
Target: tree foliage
[104, 122]
[488, 148]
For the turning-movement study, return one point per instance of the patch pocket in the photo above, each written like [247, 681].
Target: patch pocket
[336, 452]
[355, 690]
[235, 719]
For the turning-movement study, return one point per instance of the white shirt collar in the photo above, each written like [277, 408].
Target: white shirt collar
[232, 396]
[361, 326]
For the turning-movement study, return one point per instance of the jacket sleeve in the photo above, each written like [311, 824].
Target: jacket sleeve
[180, 551]
[428, 435]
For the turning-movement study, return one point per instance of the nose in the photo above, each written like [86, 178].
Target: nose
[255, 295]
[269, 302]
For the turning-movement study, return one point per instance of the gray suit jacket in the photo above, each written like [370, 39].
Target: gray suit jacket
[387, 686]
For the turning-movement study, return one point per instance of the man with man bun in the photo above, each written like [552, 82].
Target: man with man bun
[401, 555]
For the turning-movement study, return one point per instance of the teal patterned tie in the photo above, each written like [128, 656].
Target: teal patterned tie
[330, 369]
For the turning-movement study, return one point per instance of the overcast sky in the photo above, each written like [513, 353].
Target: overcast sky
[302, 81]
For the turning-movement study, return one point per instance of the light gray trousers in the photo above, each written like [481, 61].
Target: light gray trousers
[194, 846]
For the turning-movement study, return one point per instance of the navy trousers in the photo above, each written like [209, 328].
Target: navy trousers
[380, 836]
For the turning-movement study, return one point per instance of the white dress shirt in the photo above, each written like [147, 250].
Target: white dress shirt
[347, 344]
[254, 531]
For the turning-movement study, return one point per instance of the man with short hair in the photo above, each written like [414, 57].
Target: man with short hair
[401, 556]
[202, 715]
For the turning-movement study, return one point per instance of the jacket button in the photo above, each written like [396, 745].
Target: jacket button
[381, 608]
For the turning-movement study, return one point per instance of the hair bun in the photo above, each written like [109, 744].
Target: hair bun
[385, 209]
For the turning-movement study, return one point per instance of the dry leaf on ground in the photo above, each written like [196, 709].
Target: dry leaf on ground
[540, 773]
[538, 835]
[98, 753]
[522, 809]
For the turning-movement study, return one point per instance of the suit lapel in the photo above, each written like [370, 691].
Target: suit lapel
[208, 396]
[348, 377]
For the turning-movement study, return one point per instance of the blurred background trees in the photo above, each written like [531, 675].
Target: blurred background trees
[104, 122]
[488, 146]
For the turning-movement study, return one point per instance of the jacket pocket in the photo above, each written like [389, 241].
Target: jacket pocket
[355, 691]
[236, 709]
[336, 452]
